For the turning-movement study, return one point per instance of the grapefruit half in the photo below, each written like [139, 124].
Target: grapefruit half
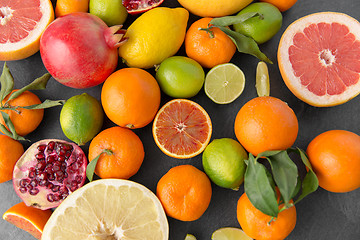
[182, 129]
[319, 58]
[21, 26]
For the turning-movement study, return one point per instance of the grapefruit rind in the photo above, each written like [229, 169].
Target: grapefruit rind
[286, 70]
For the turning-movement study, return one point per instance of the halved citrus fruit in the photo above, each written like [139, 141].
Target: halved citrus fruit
[319, 58]
[27, 218]
[109, 209]
[21, 26]
[182, 129]
[229, 233]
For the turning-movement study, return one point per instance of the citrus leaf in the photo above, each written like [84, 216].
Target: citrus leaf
[258, 188]
[231, 20]
[90, 169]
[7, 82]
[267, 154]
[38, 84]
[245, 44]
[285, 174]
[12, 133]
[297, 188]
[46, 104]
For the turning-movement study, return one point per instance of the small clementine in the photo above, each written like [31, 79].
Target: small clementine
[10, 151]
[282, 5]
[64, 7]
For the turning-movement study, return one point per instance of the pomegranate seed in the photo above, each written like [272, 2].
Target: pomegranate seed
[40, 156]
[73, 188]
[51, 145]
[32, 173]
[62, 153]
[33, 183]
[41, 165]
[49, 169]
[63, 190]
[23, 189]
[64, 195]
[68, 147]
[78, 179]
[50, 159]
[67, 154]
[50, 197]
[42, 182]
[61, 158]
[56, 197]
[49, 185]
[51, 177]
[41, 148]
[80, 161]
[134, 6]
[56, 188]
[24, 182]
[42, 176]
[34, 191]
[56, 168]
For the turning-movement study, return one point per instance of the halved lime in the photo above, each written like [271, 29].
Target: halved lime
[262, 80]
[224, 83]
[230, 233]
[190, 237]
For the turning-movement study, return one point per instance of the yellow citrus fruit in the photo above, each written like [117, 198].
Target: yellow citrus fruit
[154, 36]
[64, 7]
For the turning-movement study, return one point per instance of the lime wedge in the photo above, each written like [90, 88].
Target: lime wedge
[230, 233]
[190, 237]
[262, 80]
[224, 83]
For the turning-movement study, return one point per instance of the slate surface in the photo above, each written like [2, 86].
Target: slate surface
[321, 216]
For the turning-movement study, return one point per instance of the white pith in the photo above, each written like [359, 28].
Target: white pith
[6, 12]
[283, 58]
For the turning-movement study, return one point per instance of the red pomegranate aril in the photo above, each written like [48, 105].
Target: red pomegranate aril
[61, 158]
[50, 197]
[41, 165]
[56, 168]
[41, 176]
[67, 154]
[56, 197]
[41, 148]
[42, 182]
[51, 177]
[49, 185]
[78, 179]
[63, 190]
[23, 189]
[56, 188]
[73, 188]
[51, 145]
[33, 183]
[24, 182]
[34, 191]
[40, 156]
[32, 173]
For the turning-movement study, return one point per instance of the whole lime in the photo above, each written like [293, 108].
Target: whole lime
[261, 28]
[81, 118]
[223, 161]
[180, 77]
[112, 12]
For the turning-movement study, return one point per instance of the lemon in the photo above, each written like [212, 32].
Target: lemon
[230, 233]
[108, 209]
[262, 80]
[112, 12]
[154, 36]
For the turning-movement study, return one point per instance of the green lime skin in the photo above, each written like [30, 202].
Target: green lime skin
[81, 118]
[261, 30]
[112, 12]
[180, 77]
[223, 161]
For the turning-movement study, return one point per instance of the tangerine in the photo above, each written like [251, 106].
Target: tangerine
[130, 97]
[208, 47]
[10, 151]
[64, 7]
[266, 123]
[282, 5]
[185, 192]
[124, 156]
[25, 120]
[335, 158]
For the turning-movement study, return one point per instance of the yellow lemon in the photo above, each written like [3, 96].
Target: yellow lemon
[154, 36]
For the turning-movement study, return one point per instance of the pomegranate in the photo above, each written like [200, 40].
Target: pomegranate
[139, 6]
[48, 172]
[79, 50]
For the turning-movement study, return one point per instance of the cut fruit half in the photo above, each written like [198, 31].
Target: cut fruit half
[230, 233]
[21, 26]
[190, 237]
[262, 80]
[319, 58]
[224, 83]
[109, 209]
[182, 129]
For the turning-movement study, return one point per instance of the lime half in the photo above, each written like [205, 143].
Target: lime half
[262, 80]
[190, 237]
[230, 233]
[224, 83]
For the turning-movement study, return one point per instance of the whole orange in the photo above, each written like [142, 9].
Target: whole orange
[185, 192]
[25, 120]
[266, 123]
[10, 151]
[130, 97]
[126, 153]
[282, 5]
[64, 7]
[335, 158]
[209, 48]
[261, 226]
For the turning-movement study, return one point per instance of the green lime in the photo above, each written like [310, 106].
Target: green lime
[190, 237]
[224, 83]
[260, 28]
[223, 161]
[112, 12]
[230, 233]
[81, 118]
[180, 77]
[262, 80]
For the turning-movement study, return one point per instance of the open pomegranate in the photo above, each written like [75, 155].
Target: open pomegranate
[139, 6]
[48, 172]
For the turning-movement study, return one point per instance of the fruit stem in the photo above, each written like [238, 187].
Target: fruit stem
[208, 30]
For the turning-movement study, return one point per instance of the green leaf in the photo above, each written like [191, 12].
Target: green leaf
[258, 188]
[7, 82]
[231, 20]
[285, 174]
[267, 153]
[12, 133]
[38, 84]
[245, 44]
[90, 169]
[297, 188]
[46, 104]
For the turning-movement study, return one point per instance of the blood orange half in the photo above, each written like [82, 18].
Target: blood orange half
[319, 58]
[182, 129]
[21, 26]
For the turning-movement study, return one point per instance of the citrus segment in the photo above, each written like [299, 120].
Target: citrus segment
[90, 213]
[182, 129]
[262, 80]
[319, 58]
[224, 83]
[230, 233]
[21, 26]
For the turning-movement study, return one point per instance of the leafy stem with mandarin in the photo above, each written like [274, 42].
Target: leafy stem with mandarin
[90, 169]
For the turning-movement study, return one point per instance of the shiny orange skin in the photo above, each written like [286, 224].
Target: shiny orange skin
[10, 151]
[335, 158]
[64, 7]
[282, 5]
[25, 121]
[256, 224]
[185, 192]
[126, 157]
[266, 123]
[29, 219]
[207, 50]
[130, 97]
